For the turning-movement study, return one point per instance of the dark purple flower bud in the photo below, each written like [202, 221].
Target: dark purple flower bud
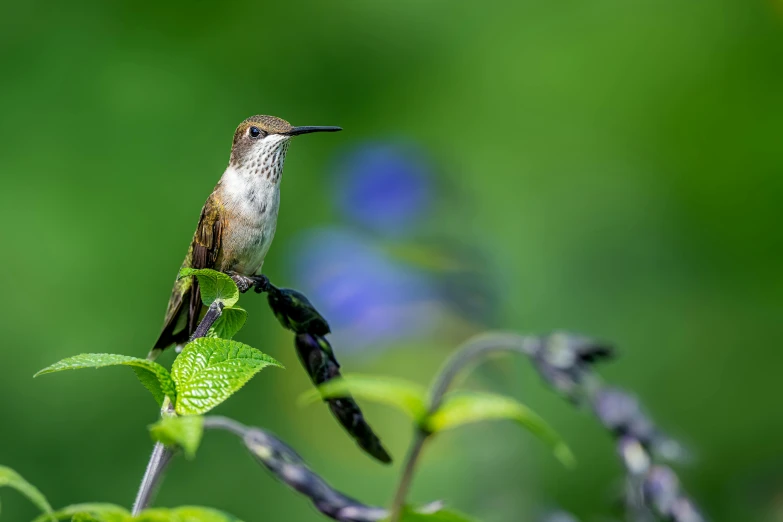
[564, 350]
[564, 361]
[316, 355]
[591, 351]
[289, 467]
[295, 312]
[348, 414]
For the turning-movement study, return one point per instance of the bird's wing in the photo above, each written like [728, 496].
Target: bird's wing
[205, 249]
[203, 253]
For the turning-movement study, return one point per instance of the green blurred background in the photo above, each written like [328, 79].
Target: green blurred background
[618, 165]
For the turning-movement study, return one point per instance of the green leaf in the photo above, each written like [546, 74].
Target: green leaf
[151, 381]
[152, 375]
[86, 517]
[463, 408]
[406, 396]
[185, 432]
[92, 512]
[430, 513]
[12, 479]
[185, 514]
[229, 323]
[214, 286]
[442, 515]
[210, 370]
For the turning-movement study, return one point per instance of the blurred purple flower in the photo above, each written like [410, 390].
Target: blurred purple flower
[685, 511]
[621, 413]
[383, 186]
[662, 487]
[565, 359]
[368, 298]
[636, 459]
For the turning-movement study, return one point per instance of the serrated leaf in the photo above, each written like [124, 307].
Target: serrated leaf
[86, 517]
[213, 285]
[231, 320]
[463, 408]
[403, 395]
[99, 511]
[185, 432]
[151, 381]
[12, 479]
[152, 375]
[185, 514]
[210, 370]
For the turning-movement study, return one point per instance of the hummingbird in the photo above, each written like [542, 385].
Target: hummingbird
[237, 223]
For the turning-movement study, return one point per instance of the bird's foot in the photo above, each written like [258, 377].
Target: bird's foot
[244, 283]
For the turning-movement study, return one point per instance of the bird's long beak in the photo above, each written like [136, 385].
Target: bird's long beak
[296, 131]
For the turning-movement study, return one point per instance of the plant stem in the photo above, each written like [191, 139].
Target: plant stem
[466, 354]
[471, 350]
[407, 474]
[214, 311]
[161, 455]
[216, 422]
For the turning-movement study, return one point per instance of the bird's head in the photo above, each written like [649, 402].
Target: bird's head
[260, 143]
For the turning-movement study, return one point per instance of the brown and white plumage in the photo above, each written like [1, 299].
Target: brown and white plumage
[238, 220]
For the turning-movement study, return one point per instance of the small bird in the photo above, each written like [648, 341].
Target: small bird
[237, 223]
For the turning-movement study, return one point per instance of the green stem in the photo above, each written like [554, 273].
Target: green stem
[407, 474]
[471, 350]
[466, 354]
[159, 461]
[161, 455]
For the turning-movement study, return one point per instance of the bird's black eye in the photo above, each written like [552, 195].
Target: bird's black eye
[255, 132]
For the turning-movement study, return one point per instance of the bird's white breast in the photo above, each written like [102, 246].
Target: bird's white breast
[252, 201]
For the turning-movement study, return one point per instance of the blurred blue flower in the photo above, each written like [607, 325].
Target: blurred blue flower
[368, 298]
[384, 186]
[373, 287]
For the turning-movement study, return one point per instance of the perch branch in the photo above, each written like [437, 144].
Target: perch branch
[161, 455]
[159, 461]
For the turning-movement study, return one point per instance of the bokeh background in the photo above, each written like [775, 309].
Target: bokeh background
[608, 167]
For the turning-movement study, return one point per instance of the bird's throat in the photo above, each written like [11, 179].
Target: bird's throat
[246, 195]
